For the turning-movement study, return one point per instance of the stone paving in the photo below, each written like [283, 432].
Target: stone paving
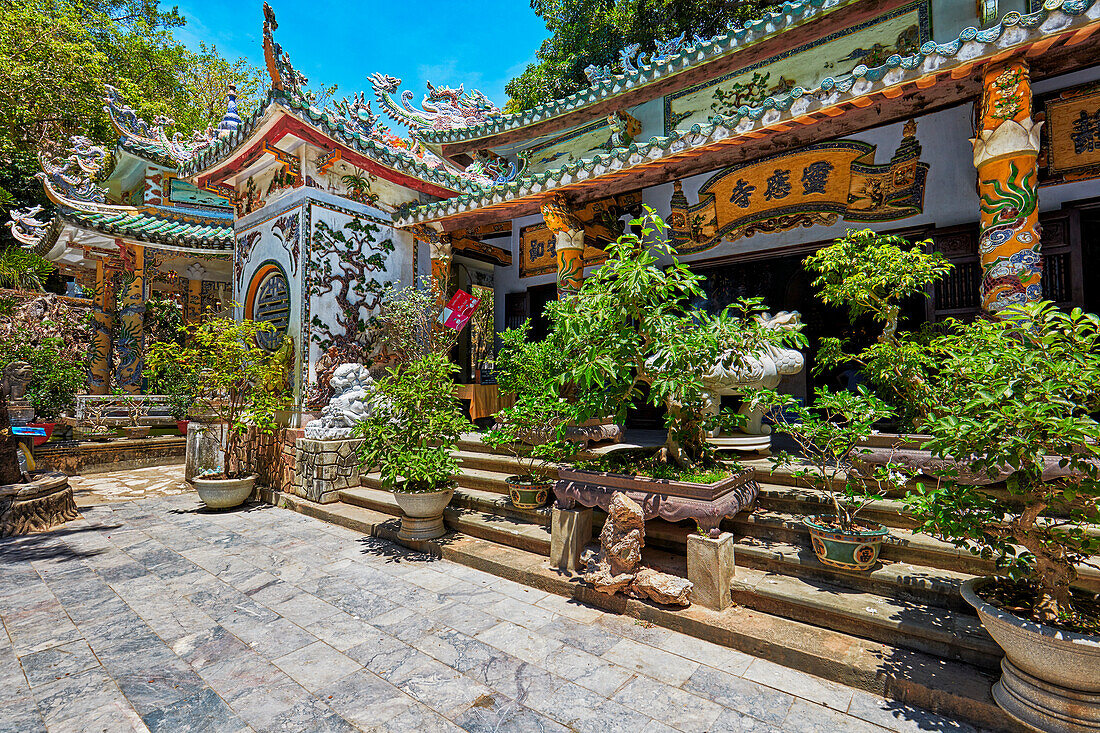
[136, 483]
[159, 615]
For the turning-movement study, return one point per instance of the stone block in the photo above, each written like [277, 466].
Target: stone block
[323, 467]
[710, 566]
[570, 531]
[204, 448]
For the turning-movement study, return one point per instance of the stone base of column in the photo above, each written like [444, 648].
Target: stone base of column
[710, 566]
[570, 531]
[323, 467]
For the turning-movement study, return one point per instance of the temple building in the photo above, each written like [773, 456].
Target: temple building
[975, 125]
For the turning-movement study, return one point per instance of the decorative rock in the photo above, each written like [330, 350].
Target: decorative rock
[353, 393]
[618, 567]
[661, 587]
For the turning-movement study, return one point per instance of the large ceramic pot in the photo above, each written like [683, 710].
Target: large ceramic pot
[856, 550]
[181, 425]
[527, 495]
[1051, 678]
[222, 493]
[422, 513]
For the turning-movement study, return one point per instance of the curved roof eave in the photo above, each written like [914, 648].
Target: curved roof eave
[1053, 21]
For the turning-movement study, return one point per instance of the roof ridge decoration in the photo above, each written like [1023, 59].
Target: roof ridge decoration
[672, 56]
[137, 132]
[26, 227]
[444, 108]
[284, 77]
[1054, 17]
[71, 178]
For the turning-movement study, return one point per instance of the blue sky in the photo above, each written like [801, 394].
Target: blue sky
[481, 43]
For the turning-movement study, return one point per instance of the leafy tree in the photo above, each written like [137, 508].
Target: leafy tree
[57, 56]
[1019, 395]
[630, 335]
[584, 32]
[873, 275]
[23, 270]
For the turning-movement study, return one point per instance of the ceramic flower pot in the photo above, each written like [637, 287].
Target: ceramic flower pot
[422, 513]
[524, 495]
[856, 550]
[1050, 678]
[221, 493]
[181, 425]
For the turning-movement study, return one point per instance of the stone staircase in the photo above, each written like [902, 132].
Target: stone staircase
[910, 600]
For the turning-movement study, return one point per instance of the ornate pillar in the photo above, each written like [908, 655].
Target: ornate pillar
[568, 232]
[192, 305]
[131, 331]
[99, 364]
[441, 252]
[1005, 153]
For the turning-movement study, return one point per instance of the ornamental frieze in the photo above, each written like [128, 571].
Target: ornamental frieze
[811, 186]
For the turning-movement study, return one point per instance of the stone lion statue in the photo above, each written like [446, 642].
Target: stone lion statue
[16, 375]
[353, 395]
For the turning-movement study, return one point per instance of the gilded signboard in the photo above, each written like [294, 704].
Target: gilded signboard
[1073, 132]
[814, 185]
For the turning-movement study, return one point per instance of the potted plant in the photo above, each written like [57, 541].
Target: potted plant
[94, 423]
[828, 434]
[233, 382]
[873, 275]
[56, 377]
[530, 430]
[1022, 485]
[410, 437]
[136, 408]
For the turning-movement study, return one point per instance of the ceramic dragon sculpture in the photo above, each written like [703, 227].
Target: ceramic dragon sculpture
[26, 227]
[444, 108]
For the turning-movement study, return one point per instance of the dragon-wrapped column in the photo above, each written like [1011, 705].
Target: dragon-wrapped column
[130, 344]
[568, 231]
[99, 364]
[1005, 155]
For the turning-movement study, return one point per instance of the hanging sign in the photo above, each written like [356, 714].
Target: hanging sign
[456, 314]
[1072, 133]
[815, 185]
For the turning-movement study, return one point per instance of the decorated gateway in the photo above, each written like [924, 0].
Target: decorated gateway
[973, 124]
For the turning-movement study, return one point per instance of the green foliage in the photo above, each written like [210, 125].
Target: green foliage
[414, 426]
[171, 373]
[584, 32]
[23, 270]
[1015, 394]
[164, 320]
[829, 435]
[631, 335]
[232, 378]
[634, 463]
[56, 56]
[873, 275]
[406, 326]
[532, 429]
[55, 379]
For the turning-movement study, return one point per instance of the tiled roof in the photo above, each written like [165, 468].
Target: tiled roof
[151, 228]
[694, 53]
[1056, 16]
[339, 130]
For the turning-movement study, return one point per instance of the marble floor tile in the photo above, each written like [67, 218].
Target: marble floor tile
[201, 712]
[52, 664]
[661, 665]
[745, 696]
[809, 717]
[824, 692]
[316, 665]
[671, 705]
[365, 699]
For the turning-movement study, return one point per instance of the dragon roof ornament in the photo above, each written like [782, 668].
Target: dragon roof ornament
[284, 77]
[154, 136]
[444, 108]
[72, 177]
[1055, 17]
[26, 227]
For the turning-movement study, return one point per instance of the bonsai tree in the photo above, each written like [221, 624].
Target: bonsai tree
[531, 430]
[873, 275]
[632, 334]
[136, 407]
[413, 428]
[1018, 397]
[829, 434]
[232, 380]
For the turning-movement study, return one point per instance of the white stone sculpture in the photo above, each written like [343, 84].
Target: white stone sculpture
[761, 370]
[353, 394]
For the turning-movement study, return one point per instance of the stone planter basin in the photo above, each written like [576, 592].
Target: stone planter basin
[1051, 678]
[673, 501]
[221, 493]
[422, 513]
[922, 461]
